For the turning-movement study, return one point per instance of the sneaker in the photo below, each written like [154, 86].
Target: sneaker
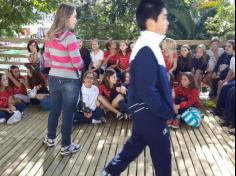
[96, 121]
[71, 149]
[104, 173]
[224, 124]
[103, 119]
[175, 124]
[120, 116]
[16, 117]
[2, 120]
[169, 123]
[49, 142]
[232, 131]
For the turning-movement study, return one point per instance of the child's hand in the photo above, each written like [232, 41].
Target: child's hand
[123, 90]
[38, 87]
[176, 108]
[88, 115]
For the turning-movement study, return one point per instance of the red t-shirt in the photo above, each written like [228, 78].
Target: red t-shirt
[124, 61]
[104, 91]
[192, 96]
[168, 62]
[19, 90]
[4, 97]
[112, 60]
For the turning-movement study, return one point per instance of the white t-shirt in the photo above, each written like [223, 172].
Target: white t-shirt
[213, 61]
[232, 64]
[96, 58]
[90, 96]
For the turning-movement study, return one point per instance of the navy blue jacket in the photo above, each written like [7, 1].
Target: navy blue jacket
[149, 87]
[224, 59]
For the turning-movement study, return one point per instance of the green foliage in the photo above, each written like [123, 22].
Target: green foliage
[223, 23]
[107, 19]
[15, 13]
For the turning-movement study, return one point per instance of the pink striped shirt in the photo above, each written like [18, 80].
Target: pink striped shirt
[63, 56]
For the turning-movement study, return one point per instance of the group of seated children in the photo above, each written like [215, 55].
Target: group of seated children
[17, 91]
[106, 79]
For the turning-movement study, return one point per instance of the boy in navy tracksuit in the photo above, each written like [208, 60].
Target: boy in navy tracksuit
[150, 99]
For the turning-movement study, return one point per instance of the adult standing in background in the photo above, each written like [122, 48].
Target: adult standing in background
[150, 100]
[63, 56]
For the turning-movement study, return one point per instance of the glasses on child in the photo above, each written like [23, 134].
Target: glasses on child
[90, 77]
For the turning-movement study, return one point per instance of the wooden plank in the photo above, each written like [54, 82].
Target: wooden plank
[103, 157]
[12, 48]
[190, 147]
[178, 154]
[186, 156]
[19, 40]
[91, 152]
[13, 55]
[200, 153]
[95, 159]
[223, 166]
[133, 165]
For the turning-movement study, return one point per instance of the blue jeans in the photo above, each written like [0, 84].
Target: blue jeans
[64, 95]
[21, 107]
[230, 106]
[4, 115]
[223, 94]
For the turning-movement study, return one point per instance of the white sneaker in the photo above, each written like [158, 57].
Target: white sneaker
[96, 121]
[16, 117]
[2, 120]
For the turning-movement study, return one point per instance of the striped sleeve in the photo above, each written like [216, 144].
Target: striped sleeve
[73, 49]
[47, 56]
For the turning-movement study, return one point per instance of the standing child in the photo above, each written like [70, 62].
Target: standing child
[8, 112]
[200, 64]
[186, 96]
[170, 55]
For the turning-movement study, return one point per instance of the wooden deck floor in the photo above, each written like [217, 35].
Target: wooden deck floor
[208, 151]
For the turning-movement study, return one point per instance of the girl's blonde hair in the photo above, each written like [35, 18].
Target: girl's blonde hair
[63, 13]
[171, 46]
[204, 49]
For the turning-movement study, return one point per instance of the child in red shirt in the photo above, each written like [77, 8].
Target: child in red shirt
[7, 107]
[110, 56]
[123, 57]
[109, 93]
[186, 96]
[15, 81]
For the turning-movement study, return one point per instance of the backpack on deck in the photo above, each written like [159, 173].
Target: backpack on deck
[193, 117]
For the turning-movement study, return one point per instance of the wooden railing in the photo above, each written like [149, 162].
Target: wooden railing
[6, 47]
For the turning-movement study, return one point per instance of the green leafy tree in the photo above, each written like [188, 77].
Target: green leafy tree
[16, 13]
[223, 23]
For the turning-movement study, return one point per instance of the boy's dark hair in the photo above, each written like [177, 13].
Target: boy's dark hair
[191, 79]
[30, 43]
[148, 9]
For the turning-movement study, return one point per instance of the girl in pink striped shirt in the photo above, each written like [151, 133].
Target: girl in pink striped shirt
[63, 57]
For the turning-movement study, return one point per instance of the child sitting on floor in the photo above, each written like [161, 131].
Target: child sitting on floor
[89, 110]
[186, 96]
[8, 111]
[109, 93]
